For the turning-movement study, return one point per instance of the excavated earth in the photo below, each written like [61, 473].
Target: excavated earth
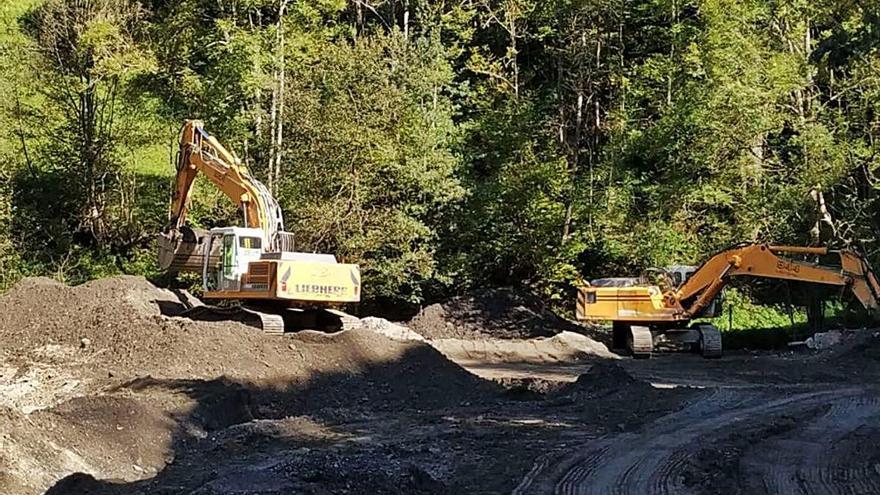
[495, 313]
[101, 391]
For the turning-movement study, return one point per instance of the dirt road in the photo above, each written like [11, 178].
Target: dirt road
[742, 435]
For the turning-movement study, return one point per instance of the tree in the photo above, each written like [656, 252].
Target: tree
[90, 47]
[369, 158]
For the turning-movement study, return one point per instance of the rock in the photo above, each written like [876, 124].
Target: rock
[824, 340]
[84, 343]
[389, 329]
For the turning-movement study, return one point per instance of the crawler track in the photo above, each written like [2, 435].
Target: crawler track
[272, 324]
[275, 322]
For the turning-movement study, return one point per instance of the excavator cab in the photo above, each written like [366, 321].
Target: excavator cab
[680, 274]
[238, 247]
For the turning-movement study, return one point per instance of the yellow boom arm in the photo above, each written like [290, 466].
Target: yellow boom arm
[200, 152]
[761, 260]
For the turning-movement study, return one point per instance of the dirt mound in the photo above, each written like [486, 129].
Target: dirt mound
[498, 313]
[116, 437]
[113, 328]
[95, 379]
[389, 329]
[420, 378]
[603, 378]
[101, 392]
[116, 315]
[564, 347]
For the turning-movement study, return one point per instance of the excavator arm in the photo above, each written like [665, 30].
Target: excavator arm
[200, 152]
[761, 260]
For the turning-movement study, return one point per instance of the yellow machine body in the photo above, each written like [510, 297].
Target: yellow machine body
[640, 303]
[295, 281]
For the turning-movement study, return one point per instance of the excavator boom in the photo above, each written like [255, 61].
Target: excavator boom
[763, 261]
[201, 152]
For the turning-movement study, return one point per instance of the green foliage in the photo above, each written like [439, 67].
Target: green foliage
[747, 325]
[447, 145]
[370, 162]
[740, 313]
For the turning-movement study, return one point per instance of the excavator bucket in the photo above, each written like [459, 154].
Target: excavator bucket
[864, 283]
[184, 251]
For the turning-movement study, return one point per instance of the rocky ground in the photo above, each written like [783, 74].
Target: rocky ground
[100, 392]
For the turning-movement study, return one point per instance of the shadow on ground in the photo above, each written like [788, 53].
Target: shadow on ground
[419, 424]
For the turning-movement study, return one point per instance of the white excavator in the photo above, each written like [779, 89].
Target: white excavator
[251, 273]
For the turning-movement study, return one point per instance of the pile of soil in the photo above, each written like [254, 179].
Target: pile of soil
[117, 317]
[497, 313]
[563, 348]
[114, 328]
[96, 379]
[102, 392]
[604, 377]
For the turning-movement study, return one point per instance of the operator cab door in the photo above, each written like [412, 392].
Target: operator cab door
[229, 270]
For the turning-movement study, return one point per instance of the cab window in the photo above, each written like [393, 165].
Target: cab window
[228, 255]
[250, 242]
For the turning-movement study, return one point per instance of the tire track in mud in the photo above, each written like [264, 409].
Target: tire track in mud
[655, 459]
[809, 468]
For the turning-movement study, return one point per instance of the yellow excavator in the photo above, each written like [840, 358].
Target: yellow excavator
[661, 305]
[251, 273]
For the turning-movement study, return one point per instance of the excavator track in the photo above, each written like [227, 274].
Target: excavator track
[270, 322]
[641, 341]
[710, 341]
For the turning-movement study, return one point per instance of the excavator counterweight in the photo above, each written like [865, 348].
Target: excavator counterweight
[643, 312]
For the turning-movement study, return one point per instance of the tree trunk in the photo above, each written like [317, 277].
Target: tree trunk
[273, 110]
[279, 128]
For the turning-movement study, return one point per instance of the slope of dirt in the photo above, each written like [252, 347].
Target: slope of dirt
[101, 393]
[564, 347]
[498, 313]
[90, 373]
[113, 328]
[604, 378]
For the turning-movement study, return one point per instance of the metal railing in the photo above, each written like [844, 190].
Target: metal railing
[283, 242]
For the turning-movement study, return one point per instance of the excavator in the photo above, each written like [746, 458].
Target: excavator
[662, 304]
[251, 273]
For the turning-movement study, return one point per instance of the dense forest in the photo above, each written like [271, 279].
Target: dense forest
[444, 145]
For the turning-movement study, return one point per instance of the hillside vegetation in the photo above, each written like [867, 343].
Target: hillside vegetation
[444, 145]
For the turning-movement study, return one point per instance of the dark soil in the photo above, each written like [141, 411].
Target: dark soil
[717, 469]
[152, 404]
[161, 404]
[499, 313]
[605, 377]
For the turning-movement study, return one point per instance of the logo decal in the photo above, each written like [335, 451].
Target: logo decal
[787, 266]
[284, 279]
